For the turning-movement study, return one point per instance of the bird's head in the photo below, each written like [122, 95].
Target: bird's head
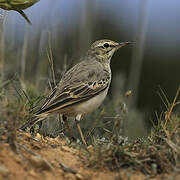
[103, 50]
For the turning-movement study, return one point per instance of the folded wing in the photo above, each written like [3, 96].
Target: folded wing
[75, 89]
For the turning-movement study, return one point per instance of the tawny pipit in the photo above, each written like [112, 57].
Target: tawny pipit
[84, 87]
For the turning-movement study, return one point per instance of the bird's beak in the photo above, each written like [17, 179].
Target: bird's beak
[123, 44]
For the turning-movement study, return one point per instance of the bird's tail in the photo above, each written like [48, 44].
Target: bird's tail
[32, 122]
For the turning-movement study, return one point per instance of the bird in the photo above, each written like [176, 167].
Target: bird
[84, 87]
[18, 5]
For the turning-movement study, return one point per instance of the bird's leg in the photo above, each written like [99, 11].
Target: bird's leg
[77, 120]
[64, 118]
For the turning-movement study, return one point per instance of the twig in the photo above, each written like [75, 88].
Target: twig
[175, 147]
[28, 150]
[168, 113]
[49, 82]
[65, 168]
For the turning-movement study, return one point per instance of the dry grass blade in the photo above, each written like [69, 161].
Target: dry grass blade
[51, 61]
[175, 147]
[157, 154]
[164, 98]
[169, 112]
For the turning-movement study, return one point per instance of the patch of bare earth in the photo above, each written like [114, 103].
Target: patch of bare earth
[36, 158]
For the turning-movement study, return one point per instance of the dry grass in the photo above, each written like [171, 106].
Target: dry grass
[156, 154]
[17, 103]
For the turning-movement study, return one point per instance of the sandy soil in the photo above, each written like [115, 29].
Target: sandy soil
[37, 158]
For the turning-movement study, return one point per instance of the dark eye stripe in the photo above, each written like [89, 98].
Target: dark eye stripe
[112, 45]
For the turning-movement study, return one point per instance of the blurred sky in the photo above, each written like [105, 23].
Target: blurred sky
[163, 17]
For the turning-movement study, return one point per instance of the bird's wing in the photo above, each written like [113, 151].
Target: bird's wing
[79, 84]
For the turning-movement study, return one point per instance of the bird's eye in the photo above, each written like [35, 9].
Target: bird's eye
[106, 45]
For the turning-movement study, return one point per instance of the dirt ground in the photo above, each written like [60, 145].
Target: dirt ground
[37, 158]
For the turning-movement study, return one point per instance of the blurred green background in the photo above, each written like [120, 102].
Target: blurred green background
[69, 27]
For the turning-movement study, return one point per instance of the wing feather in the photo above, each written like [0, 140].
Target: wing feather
[74, 88]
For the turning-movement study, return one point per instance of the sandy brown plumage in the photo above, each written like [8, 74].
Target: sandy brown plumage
[84, 87]
[84, 81]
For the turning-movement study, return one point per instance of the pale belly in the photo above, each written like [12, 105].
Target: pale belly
[85, 107]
